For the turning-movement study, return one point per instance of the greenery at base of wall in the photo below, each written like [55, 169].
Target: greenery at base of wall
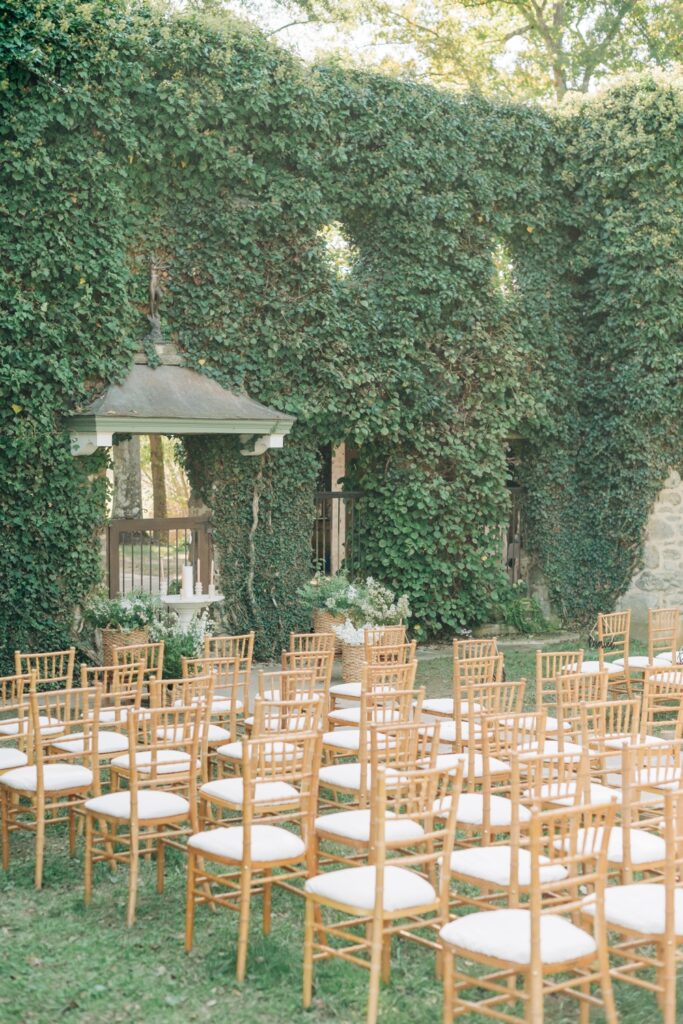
[507, 271]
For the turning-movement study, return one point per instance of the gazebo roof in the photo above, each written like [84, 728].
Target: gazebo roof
[171, 399]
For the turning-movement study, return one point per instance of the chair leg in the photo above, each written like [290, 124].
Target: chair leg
[534, 1006]
[584, 1007]
[376, 950]
[161, 857]
[447, 968]
[267, 900]
[133, 876]
[189, 901]
[309, 923]
[72, 832]
[87, 892]
[386, 959]
[243, 939]
[667, 955]
[40, 841]
[6, 809]
[608, 1003]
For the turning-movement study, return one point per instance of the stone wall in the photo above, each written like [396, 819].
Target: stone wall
[659, 582]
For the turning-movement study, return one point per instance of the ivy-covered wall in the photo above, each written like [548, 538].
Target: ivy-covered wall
[513, 272]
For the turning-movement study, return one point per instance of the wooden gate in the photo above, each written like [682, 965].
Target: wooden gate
[144, 553]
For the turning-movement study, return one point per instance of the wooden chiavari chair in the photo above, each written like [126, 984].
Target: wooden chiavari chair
[52, 670]
[240, 646]
[320, 663]
[159, 807]
[259, 852]
[398, 749]
[662, 635]
[476, 697]
[312, 643]
[49, 789]
[486, 668]
[383, 636]
[474, 647]
[538, 941]
[14, 716]
[377, 707]
[376, 678]
[378, 655]
[663, 702]
[564, 779]
[152, 654]
[399, 893]
[230, 701]
[646, 916]
[614, 633]
[303, 714]
[549, 665]
[121, 688]
[573, 690]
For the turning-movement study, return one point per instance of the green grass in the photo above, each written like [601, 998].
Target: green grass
[63, 962]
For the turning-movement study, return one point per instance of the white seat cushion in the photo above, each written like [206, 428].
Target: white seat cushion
[563, 793]
[646, 847]
[273, 723]
[663, 776]
[346, 776]
[347, 739]
[277, 751]
[355, 888]
[496, 767]
[493, 864]
[268, 843]
[639, 661]
[471, 810]
[616, 742]
[551, 747]
[356, 825]
[640, 908]
[56, 777]
[152, 804]
[380, 717]
[348, 690]
[48, 726]
[552, 724]
[506, 935]
[675, 678]
[114, 715]
[590, 667]
[221, 705]
[167, 761]
[446, 706]
[10, 757]
[107, 743]
[232, 791]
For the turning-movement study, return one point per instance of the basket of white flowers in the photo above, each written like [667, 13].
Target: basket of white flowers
[370, 604]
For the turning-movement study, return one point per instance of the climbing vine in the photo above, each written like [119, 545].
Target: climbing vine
[511, 273]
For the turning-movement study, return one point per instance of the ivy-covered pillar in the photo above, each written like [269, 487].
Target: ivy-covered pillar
[263, 510]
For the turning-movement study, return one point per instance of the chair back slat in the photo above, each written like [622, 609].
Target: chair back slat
[53, 670]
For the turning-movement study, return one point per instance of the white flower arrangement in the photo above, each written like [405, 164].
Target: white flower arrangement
[352, 635]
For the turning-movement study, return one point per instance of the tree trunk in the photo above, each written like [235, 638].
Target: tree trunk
[127, 493]
[156, 456]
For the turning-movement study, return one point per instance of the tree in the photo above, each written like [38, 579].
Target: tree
[127, 491]
[521, 48]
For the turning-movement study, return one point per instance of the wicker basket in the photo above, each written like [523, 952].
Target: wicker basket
[353, 659]
[112, 638]
[324, 622]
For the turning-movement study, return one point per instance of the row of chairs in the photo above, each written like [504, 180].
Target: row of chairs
[495, 752]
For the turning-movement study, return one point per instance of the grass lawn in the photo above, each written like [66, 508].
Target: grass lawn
[61, 962]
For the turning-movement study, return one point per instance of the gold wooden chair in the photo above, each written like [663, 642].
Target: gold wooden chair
[486, 668]
[614, 634]
[49, 789]
[52, 670]
[14, 721]
[303, 714]
[377, 707]
[320, 663]
[312, 643]
[375, 678]
[378, 655]
[258, 852]
[549, 665]
[158, 808]
[646, 916]
[473, 647]
[662, 635]
[400, 892]
[573, 690]
[398, 749]
[240, 646]
[474, 697]
[230, 701]
[663, 702]
[383, 636]
[537, 942]
[121, 688]
[151, 654]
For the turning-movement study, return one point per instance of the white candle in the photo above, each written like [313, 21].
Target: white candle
[187, 587]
